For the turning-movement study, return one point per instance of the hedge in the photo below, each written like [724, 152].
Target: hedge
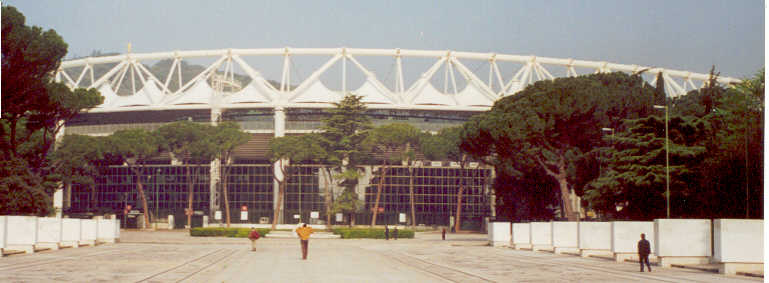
[370, 233]
[226, 232]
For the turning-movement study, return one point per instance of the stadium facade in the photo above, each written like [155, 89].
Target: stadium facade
[140, 96]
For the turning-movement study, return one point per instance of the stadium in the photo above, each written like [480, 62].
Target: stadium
[430, 90]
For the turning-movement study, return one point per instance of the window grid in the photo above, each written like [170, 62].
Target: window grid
[435, 194]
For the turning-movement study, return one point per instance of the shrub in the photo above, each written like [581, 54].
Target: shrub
[225, 232]
[370, 233]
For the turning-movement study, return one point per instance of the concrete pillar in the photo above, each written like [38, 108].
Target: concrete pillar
[280, 131]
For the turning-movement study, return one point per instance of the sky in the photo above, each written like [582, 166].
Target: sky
[682, 35]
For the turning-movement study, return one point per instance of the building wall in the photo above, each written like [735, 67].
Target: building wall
[165, 187]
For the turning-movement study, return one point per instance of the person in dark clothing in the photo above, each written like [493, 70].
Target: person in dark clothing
[387, 233]
[644, 249]
[395, 233]
[443, 234]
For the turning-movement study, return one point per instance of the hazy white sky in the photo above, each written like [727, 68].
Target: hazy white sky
[684, 35]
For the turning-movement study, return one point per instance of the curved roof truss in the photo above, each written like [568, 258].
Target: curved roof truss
[147, 92]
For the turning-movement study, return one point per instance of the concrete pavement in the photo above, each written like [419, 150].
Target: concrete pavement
[174, 256]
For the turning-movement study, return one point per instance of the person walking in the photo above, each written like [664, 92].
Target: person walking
[395, 233]
[644, 249]
[443, 234]
[253, 236]
[387, 233]
[304, 233]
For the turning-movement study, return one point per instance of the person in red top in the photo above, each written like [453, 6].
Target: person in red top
[253, 236]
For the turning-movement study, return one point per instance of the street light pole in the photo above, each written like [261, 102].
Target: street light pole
[667, 160]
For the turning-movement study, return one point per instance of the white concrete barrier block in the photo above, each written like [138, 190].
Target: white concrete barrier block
[499, 234]
[594, 238]
[565, 236]
[682, 241]
[3, 232]
[541, 236]
[49, 231]
[626, 234]
[22, 233]
[106, 230]
[70, 235]
[521, 237]
[738, 241]
[88, 230]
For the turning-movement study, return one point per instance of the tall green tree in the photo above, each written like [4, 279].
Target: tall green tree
[135, 147]
[228, 136]
[193, 144]
[635, 177]
[342, 136]
[287, 150]
[78, 160]
[34, 110]
[395, 142]
[548, 127]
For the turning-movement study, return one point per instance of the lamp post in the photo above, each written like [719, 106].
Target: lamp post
[667, 159]
[157, 188]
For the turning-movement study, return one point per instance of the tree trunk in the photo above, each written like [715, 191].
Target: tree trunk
[564, 186]
[281, 192]
[189, 197]
[328, 197]
[458, 220]
[560, 176]
[379, 192]
[226, 198]
[144, 202]
[92, 197]
[411, 198]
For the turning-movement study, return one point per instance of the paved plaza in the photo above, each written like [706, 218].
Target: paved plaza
[173, 256]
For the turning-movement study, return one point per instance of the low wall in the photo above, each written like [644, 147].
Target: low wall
[3, 232]
[565, 237]
[88, 230]
[682, 241]
[107, 230]
[49, 232]
[738, 245]
[499, 234]
[541, 236]
[594, 238]
[70, 235]
[22, 233]
[625, 236]
[521, 237]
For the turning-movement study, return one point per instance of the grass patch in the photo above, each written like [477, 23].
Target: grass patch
[370, 233]
[225, 232]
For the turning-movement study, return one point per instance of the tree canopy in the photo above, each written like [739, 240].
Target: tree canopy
[547, 128]
[34, 109]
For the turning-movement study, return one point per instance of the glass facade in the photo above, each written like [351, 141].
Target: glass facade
[303, 195]
[165, 187]
[249, 185]
[435, 195]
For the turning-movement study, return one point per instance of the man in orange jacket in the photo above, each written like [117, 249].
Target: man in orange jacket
[304, 233]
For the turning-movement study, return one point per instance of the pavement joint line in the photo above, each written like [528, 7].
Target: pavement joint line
[423, 270]
[446, 267]
[179, 266]
[614, 272]
[54, 259]
[232, 252]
